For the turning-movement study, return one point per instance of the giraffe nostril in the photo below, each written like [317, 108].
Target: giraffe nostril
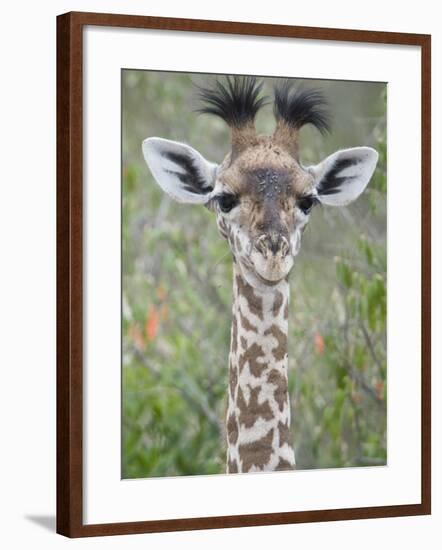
[261, 245]
[284, 247]
[273, 243]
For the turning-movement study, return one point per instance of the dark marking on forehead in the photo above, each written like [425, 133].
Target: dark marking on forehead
[269, 182]
[270, 190]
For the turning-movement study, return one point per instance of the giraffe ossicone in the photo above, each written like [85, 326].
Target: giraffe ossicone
[262, 198]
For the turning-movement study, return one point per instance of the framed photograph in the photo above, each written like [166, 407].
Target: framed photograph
[243, 274]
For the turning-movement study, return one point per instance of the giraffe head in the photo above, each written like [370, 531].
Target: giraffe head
[261, 194]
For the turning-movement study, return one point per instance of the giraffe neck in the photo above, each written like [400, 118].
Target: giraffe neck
[258, 413]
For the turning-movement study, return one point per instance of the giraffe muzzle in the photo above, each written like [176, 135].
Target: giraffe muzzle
[271, 258]
[272, 246]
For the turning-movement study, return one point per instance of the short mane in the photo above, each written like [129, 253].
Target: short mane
[298, 107]
[236, 100]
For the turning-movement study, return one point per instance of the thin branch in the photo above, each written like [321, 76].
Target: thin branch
[360, 380]
[370, 345]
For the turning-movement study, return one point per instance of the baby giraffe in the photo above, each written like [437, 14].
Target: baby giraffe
[262, 197]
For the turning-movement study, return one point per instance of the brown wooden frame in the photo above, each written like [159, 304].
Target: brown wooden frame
[70, 272]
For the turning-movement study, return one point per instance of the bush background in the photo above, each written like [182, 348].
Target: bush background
[177, 294]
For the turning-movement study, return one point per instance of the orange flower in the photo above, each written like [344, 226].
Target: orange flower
[319, 343]
[152, 323]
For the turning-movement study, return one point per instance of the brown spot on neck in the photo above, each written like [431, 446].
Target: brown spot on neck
[233, 377]
[251, 356]
[253, 300]
[280, 351]
[277, 303]
[245, 323]
[284, 434]
[251, 411]
[279, 380]
[284, 465]
[232, 467]
[234, 335]
[232, 429]
[257, 453]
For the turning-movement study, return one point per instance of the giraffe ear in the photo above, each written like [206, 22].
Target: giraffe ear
[180, 170]
[343, 176]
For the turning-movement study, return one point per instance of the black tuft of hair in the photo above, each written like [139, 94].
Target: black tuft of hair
[298, 107]
[236, 99]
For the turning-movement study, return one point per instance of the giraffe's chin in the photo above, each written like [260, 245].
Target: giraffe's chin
[269, 282]
[265, 279]
[271, 270]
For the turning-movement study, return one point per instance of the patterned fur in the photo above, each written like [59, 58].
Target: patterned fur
[262, 197]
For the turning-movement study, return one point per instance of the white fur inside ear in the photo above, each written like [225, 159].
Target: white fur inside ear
[344, 175]
[180, 170]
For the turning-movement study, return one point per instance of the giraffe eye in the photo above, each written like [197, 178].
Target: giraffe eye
[306, 203]
[227, 201]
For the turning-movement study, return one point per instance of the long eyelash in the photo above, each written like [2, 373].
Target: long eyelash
[314, 198]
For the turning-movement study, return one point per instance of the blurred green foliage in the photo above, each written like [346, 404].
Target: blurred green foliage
[177, 295]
